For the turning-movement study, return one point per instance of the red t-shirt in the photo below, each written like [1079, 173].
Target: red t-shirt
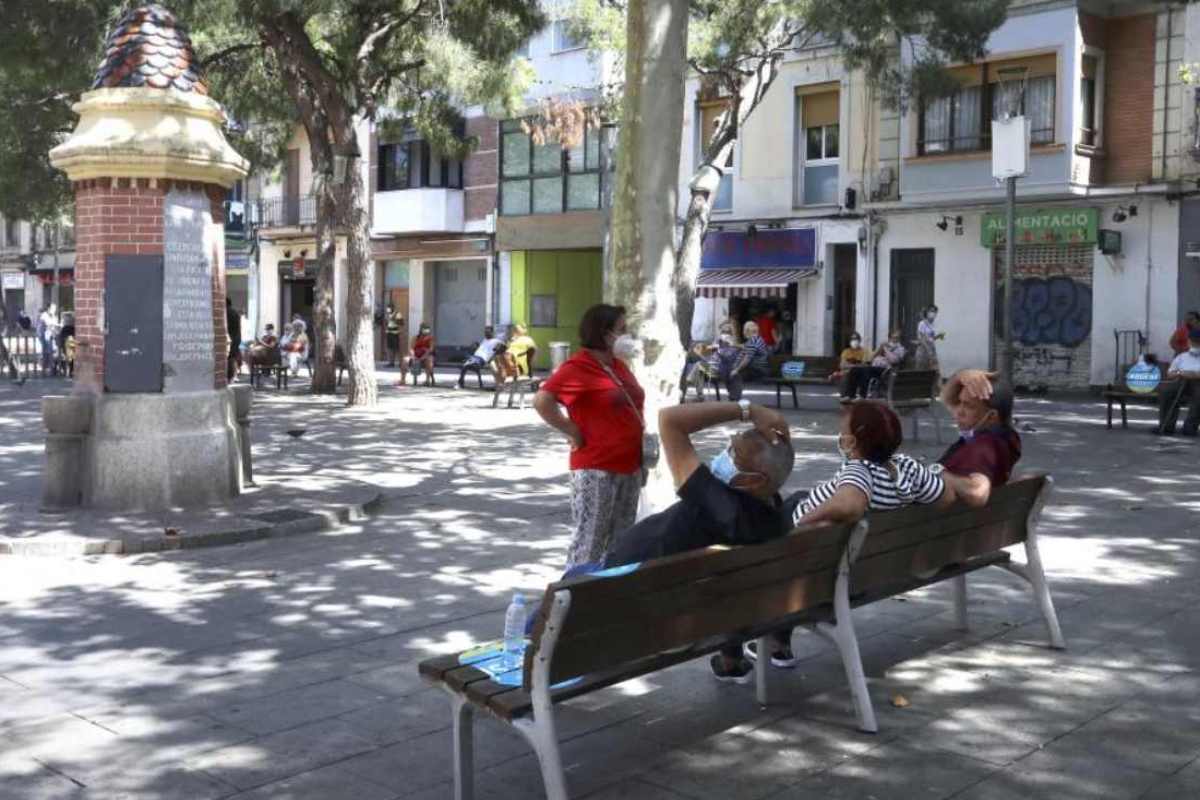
[766, 329]
[421, 346]
[992, 452]
[612, 430]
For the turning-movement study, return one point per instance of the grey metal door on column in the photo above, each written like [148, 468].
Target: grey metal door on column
[133, 314]
[461, 300]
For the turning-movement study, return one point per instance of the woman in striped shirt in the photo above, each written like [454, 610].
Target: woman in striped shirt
[872, 477]
[753, 362]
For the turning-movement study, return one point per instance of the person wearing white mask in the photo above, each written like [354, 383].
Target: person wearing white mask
[1184, 374]
[604, 427]
[926, 356]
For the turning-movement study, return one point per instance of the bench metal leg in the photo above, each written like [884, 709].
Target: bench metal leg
[464, 748]
[761, 671]
[960, 602]
[1033, 572]
[795, 402]
[841, 633]
[1110, 404]
[778, 393]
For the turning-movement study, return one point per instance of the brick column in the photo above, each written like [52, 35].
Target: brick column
[125, 216]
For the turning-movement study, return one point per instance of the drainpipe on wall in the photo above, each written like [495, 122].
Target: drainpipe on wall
[1166, 95]
[1149, 264]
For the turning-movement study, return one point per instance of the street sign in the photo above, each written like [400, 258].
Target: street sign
[1043, 226]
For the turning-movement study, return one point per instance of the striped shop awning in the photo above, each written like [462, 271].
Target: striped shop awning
[748, 282]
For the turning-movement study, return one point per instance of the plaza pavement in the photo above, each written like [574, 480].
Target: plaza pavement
[286, 668]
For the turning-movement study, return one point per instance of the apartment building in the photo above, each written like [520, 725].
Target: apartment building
[847, 216]
[30, 260]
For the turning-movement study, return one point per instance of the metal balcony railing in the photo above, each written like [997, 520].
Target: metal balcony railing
[283, 212]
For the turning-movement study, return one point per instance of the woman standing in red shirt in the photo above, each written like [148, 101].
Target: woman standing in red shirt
[604, 425]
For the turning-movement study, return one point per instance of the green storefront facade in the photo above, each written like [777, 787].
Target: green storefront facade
[550, 290]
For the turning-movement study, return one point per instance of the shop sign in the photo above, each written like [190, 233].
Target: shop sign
[66, 277]
[1043, 226]
[298, 268]
[14, 280]
[765, 249]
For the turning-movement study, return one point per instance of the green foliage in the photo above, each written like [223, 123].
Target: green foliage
[421, 58]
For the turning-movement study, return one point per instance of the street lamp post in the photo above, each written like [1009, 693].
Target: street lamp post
[1010, 160]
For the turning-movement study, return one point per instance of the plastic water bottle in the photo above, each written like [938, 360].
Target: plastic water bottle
[514, 632]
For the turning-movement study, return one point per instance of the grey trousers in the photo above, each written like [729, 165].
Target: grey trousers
[602, 504]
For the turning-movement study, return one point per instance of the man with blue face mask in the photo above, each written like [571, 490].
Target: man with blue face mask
[732, 500]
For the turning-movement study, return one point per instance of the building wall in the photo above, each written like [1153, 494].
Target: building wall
[572, 276]
[1129, 107]
[480, 169]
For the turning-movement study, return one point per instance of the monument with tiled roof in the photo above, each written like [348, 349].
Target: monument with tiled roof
[151, 424]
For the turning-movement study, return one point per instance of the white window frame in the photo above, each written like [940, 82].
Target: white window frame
[558, 31]
[1098, 143]
[698, 152]
[802, 160]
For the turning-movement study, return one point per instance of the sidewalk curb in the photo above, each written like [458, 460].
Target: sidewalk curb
[244, 528]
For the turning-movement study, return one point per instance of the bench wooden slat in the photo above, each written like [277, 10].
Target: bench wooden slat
[792, 564]
[435, 669]
[606, 646]
[696, 564]
[886, 568]
[884, 591]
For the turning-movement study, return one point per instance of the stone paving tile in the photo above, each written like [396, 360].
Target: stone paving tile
[391, 721]
[281, 755]
[426, 761]
[1048, 776]
[1168, 736]
[1184, 783]
[324, 783]
[298, 706]
[896, 769]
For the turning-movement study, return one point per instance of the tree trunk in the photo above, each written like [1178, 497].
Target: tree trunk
[324, 336]
[644, 206]
[361, 388]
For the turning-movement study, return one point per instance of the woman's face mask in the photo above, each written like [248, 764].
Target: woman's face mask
[625, 347]
[856, 343]
[846, 451]
[931, 315]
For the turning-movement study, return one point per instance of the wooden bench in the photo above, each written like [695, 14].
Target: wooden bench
[595, 631]
[911, 391]
[817, 370]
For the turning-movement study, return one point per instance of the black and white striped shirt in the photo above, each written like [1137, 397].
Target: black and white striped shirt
[913, 483]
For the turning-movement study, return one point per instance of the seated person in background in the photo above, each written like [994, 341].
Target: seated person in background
[872, 477]
[420, 356]
[483, 354]
[734, 500]
[269, 339]
[1184, 377]
[851, 363]
[753, 362]
[295, 347]
[988, 447]
[890, 354]
[1179, 339]
[521, 347]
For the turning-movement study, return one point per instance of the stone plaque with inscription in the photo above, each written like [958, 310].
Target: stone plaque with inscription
[188, 359]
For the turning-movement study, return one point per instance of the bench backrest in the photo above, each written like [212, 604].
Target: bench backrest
[911, 384]
[706, 594]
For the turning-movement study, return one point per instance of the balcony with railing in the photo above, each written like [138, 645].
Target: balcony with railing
[284, 212]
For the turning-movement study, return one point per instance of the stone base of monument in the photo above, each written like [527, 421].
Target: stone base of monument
[143, 452]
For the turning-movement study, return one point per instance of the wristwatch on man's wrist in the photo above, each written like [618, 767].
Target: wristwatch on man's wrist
[744, 405]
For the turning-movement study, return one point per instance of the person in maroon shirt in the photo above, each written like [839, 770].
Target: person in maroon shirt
[988, 448]
[604, 425]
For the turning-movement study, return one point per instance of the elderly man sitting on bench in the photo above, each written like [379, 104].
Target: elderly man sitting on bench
[732, 500]
[988, 447]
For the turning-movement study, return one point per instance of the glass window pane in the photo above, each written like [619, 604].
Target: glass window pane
[820, 184]
[583, 191]
[967, 119]
[516, 155]
[563, 40]
[831, 141]
[937, 125]
[547, 195]
[724, 199]
[547, 158]
[815, 147]
[575, 158]
[435, 170]
[592, 149]
[1039, 107]
[515, 196]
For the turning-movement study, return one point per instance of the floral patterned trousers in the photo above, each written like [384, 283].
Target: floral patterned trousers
[602, 505]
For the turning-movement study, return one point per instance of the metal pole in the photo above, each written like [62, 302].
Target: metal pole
[1010, 249]
[54, 286]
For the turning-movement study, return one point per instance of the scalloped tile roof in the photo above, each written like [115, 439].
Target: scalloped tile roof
[149, 47]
